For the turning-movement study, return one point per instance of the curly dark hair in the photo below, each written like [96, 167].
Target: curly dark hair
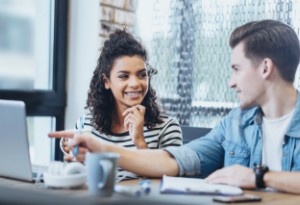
[100, 100]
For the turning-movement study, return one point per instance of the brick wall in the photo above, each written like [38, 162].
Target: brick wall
[116, 14]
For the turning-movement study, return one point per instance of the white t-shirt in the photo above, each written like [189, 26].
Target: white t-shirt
[273, 136]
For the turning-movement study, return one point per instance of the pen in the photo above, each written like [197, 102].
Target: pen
[128, 191]
[145, 186]
[80, 127]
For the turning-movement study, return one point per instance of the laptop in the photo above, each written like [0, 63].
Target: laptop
[15, 160]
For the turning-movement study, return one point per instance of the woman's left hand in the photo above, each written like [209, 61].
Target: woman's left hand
[134, 123]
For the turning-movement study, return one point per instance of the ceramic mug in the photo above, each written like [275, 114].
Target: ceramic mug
[101, 172]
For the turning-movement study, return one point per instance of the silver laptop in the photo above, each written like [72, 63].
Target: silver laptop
[14, 146]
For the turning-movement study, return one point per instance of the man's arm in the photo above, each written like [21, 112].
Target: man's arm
[283, 181]
[151, 163]
[244, 177]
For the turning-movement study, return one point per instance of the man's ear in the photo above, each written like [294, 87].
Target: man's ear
[105, 81]
[267, 67]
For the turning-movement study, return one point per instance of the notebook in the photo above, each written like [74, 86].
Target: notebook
[182, 185]
[14, 146]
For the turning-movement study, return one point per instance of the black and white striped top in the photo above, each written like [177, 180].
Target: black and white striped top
[163, 135]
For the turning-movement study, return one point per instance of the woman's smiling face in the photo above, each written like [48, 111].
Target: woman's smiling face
[128, 81]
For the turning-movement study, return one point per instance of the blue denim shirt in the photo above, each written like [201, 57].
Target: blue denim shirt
[237, 139]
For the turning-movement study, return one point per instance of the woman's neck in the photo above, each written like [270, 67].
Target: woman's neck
[117, 125]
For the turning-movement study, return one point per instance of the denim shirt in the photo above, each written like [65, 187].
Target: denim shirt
[237, 139]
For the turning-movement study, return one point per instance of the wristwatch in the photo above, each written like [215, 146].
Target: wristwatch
[260, 171]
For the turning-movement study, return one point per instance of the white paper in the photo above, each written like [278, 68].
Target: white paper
[196, 186]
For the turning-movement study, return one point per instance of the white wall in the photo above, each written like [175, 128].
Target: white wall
[83, 52]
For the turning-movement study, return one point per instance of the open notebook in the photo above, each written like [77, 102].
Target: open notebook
[182, 185]
[14, 147]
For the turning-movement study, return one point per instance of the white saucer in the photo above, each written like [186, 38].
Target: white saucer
[64, 181]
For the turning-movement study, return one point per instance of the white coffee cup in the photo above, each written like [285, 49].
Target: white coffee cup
[101, 172]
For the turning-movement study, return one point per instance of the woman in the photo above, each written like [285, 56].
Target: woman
[122, 104]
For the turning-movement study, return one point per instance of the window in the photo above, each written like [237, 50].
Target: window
[33, 67]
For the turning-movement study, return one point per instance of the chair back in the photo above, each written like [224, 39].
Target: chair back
[191, 133]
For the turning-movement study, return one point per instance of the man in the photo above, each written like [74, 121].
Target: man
[265, 129]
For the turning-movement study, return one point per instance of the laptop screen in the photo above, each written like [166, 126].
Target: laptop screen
[14, 147]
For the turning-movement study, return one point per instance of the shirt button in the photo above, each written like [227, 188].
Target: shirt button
[231, 153]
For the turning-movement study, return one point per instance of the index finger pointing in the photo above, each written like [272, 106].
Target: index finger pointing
[60, 134]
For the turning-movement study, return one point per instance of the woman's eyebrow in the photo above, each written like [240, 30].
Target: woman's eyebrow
[123, 71]
[142, 70]
[126, 71]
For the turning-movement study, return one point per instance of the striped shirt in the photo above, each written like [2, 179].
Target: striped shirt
[166, 134]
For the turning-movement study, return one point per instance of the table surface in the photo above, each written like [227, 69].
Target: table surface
[18, 192]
